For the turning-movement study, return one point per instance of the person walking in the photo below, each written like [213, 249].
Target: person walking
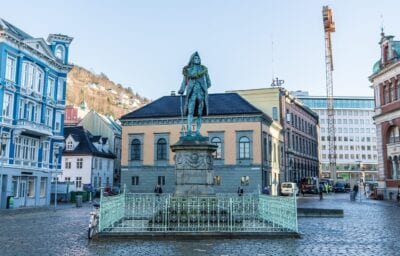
[240, 191]
[355, 189]
[321, 191]
[158, 189]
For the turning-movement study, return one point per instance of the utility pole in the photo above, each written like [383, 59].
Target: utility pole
[329, 27]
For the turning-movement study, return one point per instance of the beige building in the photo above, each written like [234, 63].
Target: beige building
[299, 126]
[249, 145]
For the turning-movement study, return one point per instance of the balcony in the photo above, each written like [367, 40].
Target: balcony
[393, 149]
[33, 128]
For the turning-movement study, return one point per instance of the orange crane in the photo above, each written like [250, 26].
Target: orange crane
[329, 27]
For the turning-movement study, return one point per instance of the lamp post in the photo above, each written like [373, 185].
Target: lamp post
[56, 154]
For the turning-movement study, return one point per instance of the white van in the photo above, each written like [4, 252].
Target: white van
[287, 188]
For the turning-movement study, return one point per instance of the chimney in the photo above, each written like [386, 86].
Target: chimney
[173, 93]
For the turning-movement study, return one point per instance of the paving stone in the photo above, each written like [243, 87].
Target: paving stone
[368, 228]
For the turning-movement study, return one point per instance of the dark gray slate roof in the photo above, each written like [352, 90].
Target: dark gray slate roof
[85, 146]
[219, 104]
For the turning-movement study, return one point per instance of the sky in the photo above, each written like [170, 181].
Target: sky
[244, 44]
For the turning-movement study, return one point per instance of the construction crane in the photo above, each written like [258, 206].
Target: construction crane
[329, 27]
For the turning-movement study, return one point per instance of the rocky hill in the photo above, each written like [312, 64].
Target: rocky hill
[100, 93]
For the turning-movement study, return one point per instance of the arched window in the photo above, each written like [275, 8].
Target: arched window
[59, 53]
[135, 150]
[244, 148]
[217, 141]
[162, 149]
[394, 135]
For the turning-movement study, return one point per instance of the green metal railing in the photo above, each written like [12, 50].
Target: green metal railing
[141, 213]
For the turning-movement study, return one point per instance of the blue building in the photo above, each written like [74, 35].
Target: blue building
[33, 75]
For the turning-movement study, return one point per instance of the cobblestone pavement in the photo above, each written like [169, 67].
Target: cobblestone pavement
[368, 228]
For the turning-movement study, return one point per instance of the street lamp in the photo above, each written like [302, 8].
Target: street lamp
[56, 155]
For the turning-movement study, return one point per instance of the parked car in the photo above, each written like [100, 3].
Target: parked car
[287, 188]
[339, 187]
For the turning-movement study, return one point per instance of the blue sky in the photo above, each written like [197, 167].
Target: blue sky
[145, 44]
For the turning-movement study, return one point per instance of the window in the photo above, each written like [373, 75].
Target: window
[161, 180]
[67, 163]
[78, 182]
[8, 105]
[244, 148]
[99, 181]
[31, 187]
[162, 149]
[244, 180]
[32, 77]
[45, 153]
[394, 134]
[275, 113]
[49, 117]
[11, 68]
[70, 145]
[135, 180]
[100, 164]
[107, 181]
[217, 180]
[67, 179]
[50, 88]
[58, 122]
[25, 149]
[217, 141]
[59, 53]
[135, 150]
[79, 163]
[60, 89]
[43, 185]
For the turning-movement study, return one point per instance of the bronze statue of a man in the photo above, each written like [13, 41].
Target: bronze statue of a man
[196, 82]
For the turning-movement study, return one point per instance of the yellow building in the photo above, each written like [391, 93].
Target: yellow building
[248, 154]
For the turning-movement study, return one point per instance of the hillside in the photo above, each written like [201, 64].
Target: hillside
[100, 93]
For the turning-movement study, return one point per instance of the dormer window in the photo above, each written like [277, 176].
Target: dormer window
[70, 145]
[59, 53]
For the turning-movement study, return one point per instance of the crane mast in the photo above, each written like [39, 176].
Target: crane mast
[329, 27]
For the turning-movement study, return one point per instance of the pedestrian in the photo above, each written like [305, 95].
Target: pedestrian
[321, 189]
[355, 189]
[158, 189]
[240, 191]
[266, 190]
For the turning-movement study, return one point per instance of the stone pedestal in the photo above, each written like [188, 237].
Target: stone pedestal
[194, 165]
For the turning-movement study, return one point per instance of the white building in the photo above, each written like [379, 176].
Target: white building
[87, 160]
[355, 134]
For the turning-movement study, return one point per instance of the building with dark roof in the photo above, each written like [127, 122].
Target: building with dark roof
[107, 128]
[248, 144]
[33, 74]
[385, 80]
[87, 160]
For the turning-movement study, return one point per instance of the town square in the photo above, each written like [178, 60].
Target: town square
[199, 128]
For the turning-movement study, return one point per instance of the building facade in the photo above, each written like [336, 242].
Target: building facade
[355, 136]
[106, 127]
[386, 85]
[299, 126]
[33, 75]
[248, 145]
[87, 160]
